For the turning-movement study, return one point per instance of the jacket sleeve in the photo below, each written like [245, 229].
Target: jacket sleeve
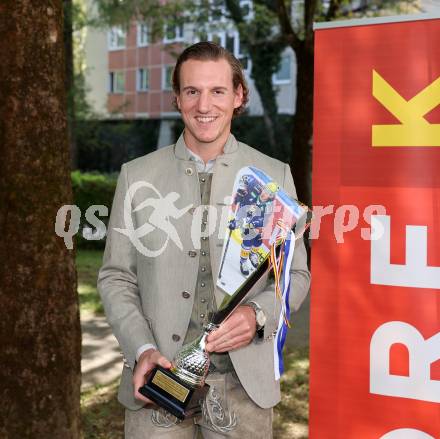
[117, 280]
[299, 272]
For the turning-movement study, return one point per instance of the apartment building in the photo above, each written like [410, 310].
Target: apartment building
[136, 71]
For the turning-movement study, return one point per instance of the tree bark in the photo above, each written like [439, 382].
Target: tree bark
[262, 71]
[70, 80]
[301, 162]
[39, 331]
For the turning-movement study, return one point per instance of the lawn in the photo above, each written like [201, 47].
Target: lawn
[102, 415]
[88, 263]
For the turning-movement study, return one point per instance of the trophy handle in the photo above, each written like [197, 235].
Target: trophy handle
[230, 303]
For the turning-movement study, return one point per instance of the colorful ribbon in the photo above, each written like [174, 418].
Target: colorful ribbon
[281, 269]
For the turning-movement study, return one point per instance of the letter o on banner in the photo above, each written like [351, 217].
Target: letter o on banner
[406, 433]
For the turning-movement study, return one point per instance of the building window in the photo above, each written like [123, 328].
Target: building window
[218, 11]
[173, 33]
[218, 38]
[117, 82]
[231, 42]
[143, 81]
[167, 73]
[142, 35]
[246, 9]
[116, 38]
[284, 73]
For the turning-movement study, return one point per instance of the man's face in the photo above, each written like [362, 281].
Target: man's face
[207, 100]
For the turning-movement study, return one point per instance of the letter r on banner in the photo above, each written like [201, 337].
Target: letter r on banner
[422, 353]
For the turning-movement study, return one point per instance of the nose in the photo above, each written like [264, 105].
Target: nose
[204, 103]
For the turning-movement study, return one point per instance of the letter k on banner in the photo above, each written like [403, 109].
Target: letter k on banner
[414, 129]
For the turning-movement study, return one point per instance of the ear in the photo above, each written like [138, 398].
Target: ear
[177, 101]
[238, 99]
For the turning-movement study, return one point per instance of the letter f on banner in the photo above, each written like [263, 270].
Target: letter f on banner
[414, 129]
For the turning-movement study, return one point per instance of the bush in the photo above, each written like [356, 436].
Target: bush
[251, 130]
[92, 188]
[105, 145]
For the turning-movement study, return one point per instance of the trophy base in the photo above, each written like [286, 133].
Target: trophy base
[172, 394]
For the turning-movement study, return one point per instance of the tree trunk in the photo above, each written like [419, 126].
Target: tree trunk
[263, 83]
[265, 60]
[70, 80]
[301, 163]
[40, 335]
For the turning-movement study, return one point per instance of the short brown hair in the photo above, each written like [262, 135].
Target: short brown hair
[209, 51]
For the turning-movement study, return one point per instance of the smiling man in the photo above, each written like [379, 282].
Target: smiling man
[155, 305]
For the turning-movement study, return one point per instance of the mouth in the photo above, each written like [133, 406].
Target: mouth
[206, 119]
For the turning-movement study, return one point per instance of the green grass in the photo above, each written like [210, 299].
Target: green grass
[88, 263]
[291, 415]
[102, 416]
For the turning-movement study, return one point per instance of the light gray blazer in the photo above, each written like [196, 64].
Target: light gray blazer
[142, 295]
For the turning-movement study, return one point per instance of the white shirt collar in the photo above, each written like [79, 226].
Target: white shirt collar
[201, 166]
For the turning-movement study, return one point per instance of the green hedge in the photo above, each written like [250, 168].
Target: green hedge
[105, 145]
[92, 188]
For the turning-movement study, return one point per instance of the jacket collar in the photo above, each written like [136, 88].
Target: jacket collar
[181, 151]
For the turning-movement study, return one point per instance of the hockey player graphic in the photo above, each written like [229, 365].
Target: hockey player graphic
[254, 205]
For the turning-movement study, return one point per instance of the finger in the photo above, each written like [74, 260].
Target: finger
[224, 330]
[138, 381]
[160, 360]
[141, 397]
[164, 362]
[237, 331]
[229, 344]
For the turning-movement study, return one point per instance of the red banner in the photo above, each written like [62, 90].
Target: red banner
[375, 310]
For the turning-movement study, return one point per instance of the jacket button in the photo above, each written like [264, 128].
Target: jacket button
[186, 295]
[192, 254]
[189, 171]
[175, 337]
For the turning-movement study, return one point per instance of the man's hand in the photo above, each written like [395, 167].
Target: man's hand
[147, 361]
[238, 331]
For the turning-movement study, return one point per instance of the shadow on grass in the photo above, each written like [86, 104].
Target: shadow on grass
[102, 415]
[291, 415]
[88, 263]
[89, 299]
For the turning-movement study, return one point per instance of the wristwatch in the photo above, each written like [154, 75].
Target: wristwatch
[260, 318]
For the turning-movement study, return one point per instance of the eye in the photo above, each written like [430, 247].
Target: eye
[219, 92]
[191, 92]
